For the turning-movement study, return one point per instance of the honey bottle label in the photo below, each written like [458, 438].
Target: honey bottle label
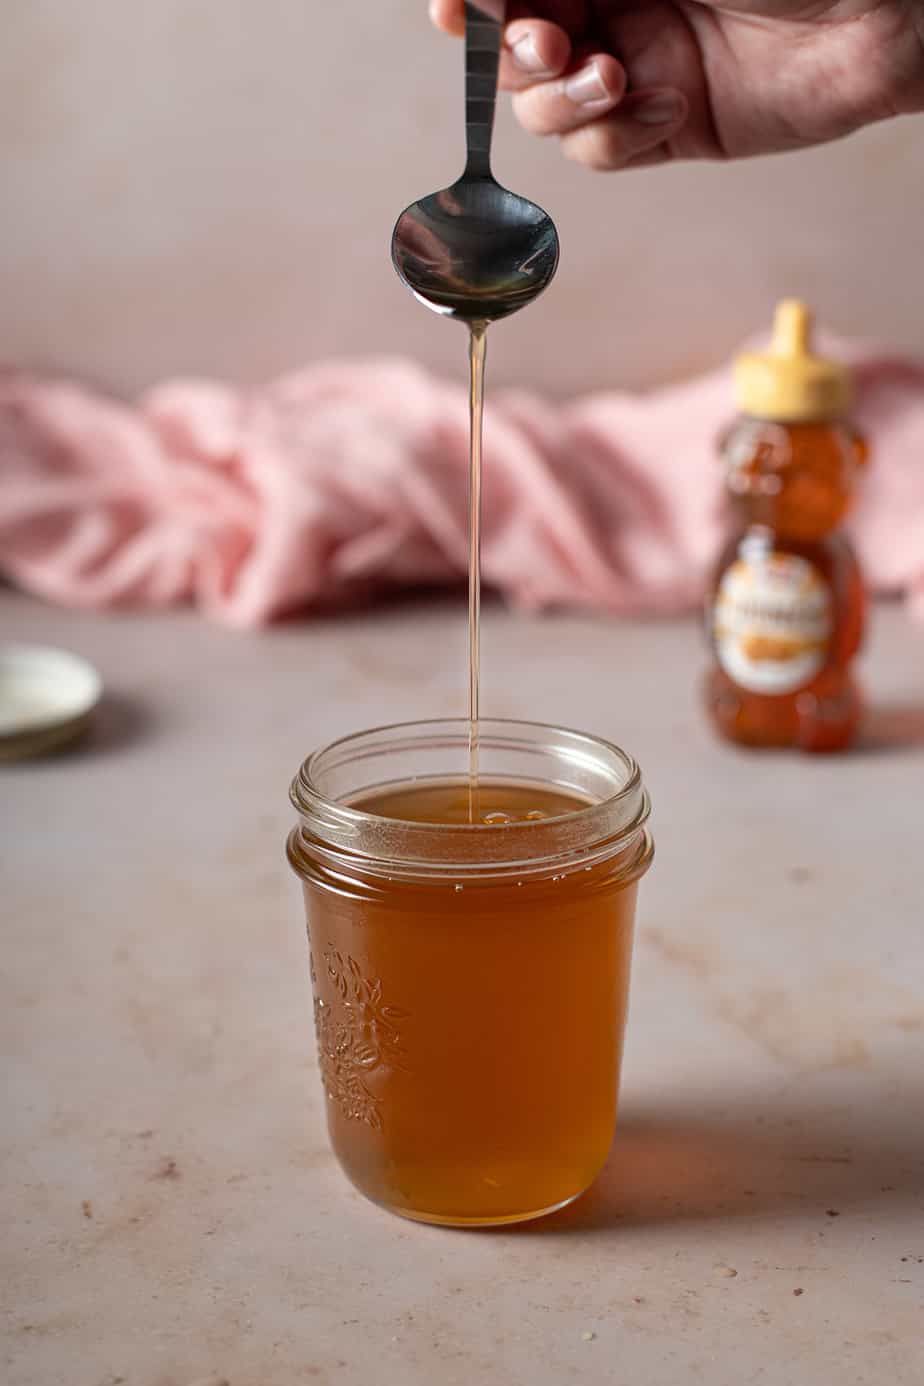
[772, 621]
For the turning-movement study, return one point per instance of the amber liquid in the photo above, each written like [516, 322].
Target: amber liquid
[470, 1031]
[477, 348]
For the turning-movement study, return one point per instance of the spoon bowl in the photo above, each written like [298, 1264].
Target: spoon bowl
[476, 251]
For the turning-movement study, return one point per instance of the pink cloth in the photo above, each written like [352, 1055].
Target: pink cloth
[347, 478]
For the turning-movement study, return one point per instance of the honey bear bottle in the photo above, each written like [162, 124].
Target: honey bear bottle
[786, 610]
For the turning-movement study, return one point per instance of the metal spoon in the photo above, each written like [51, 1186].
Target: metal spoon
[476, 251]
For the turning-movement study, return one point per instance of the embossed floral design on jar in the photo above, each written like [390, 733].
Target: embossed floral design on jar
[357, 1034]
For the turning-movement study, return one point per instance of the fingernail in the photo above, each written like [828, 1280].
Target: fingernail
[526, 55]
[660, 109]
[587, 86]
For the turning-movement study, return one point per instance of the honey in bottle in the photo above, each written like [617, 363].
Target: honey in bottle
[786, 608]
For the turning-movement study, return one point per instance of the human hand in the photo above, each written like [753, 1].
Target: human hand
[630, 82]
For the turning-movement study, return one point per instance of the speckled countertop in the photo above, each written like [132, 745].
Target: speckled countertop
[172, 1214]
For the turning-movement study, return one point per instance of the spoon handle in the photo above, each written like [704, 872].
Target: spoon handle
[484, 22]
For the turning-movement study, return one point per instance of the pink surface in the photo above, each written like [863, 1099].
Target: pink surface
[345, 479]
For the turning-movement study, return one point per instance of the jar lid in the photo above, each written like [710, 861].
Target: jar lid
[47, 698]
[789, 383]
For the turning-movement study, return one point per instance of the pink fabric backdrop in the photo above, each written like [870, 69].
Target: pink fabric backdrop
[344, 479]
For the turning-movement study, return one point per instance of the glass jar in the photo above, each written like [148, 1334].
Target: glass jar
[470, 978]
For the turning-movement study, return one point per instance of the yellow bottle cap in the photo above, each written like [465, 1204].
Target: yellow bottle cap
[788, 383]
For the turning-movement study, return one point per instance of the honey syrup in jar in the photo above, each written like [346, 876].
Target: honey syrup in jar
[470, 978]
[786, 608]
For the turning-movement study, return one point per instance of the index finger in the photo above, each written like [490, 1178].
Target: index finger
[534, 50]
[448, 15]
[570, 15]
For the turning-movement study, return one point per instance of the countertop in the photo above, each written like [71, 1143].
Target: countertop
[172, 1213]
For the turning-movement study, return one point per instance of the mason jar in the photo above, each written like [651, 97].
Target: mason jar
[470, 948]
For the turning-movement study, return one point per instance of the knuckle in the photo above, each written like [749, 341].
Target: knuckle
[536, 115]
[600, 147]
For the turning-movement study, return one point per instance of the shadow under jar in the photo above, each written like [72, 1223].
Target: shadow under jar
[470, 977]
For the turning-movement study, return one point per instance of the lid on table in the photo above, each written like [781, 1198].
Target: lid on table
[47, 698]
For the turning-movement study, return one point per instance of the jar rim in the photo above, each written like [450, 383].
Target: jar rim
[614, 816]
